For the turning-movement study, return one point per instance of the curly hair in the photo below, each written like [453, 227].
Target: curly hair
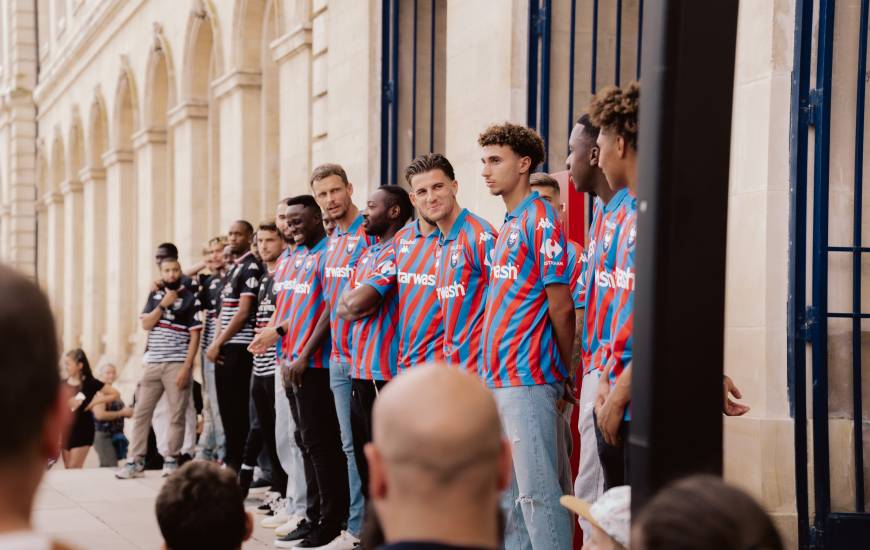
[523, 141]
[615, 109]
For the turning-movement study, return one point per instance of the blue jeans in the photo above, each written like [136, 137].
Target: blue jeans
[533, 516]
[212, 444]
[339, 382]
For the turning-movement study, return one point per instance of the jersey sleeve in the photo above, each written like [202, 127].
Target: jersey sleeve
[193, 320]
[383, 276]
[548, 245]
[150, 304]
[249, 280]
[622, 324]
[484, 250]
[578, 290]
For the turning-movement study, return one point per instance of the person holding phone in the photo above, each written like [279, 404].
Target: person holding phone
[87, 393]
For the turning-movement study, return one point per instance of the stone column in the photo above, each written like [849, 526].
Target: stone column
[292, 53]
[94, 261]
[189, 123]
[54, 269]
[73, 250]
[238, 97]
[121, 292]
[153, 200]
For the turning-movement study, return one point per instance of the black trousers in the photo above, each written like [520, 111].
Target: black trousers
[362, 400]
[319, 439]
[263, 397]
[613, 458]
[232, 375]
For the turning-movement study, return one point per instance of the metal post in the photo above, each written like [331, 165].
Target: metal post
[414, 88]
[385, 90]
[432, 82]
[394, 119]
[532, 100]
[688, 69]
[618, 49]
[639, 35]
[544, 127]
[593, 86]
[572, 41]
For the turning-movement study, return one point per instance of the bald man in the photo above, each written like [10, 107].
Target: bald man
[437, 472]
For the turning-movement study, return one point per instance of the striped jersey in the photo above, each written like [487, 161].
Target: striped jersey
[462, 279]
[264, 365]
[169, 338]
[602, 287]
[210, 305]
[421, 327]
[343, 250]
[586, 292]
[375, 350]
[307, 301]
[519, 345]
[576, 265]
[282, 287]
[618, 347]
[242, 280]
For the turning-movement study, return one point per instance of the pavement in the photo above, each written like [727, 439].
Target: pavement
[90, 509]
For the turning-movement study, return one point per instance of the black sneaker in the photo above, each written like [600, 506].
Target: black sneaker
[291, 540]
[246, 476]
[260, 482]
[319, 537]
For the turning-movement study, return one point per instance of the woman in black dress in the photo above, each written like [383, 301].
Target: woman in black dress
[88, 391]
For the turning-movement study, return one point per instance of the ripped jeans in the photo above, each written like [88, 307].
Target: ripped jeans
[534, 519]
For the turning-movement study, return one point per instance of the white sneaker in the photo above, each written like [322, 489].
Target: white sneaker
[266, 506]
[288, 526]
[278, 516]
[131, 469]
[170, 465]
[344, 541]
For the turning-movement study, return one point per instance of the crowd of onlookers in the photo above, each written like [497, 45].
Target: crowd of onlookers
[326, 336]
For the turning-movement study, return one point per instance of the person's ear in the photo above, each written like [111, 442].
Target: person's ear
[394, 212]
[525, 165]
[350, 188]
[249, 526]
[620, 146]
[455, 187]
[377, 475]
[594, 155]
[55, 427]
[505, 465]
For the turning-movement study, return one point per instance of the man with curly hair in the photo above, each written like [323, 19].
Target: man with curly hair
[528, 334]
[614, 110]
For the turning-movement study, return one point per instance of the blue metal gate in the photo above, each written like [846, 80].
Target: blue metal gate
[809, 322]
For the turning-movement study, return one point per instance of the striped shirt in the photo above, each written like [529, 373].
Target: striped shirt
[169, 338]
[343, 249]
[264, 365]
[283, 290]
[210, 305]
[307, 301]
[519, 343]
[375, 340]
[462, 277]
[242, 280]
[421, 325]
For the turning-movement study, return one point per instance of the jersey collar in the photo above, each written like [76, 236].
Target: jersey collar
[419, 233]
[617, 200]
[457, 227]
[516, 212]
[244, 257]
[321, 244]
[352, 228]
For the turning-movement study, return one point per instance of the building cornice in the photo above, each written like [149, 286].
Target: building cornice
[293, 42]
[117, 156]
[236, 79]
[192, 108]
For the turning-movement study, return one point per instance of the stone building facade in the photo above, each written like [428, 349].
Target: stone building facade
[125, 123]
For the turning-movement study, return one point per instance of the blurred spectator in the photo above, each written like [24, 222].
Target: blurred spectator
[609, 519]
[109, 439]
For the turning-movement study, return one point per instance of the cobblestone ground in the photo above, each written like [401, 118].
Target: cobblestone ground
[91, 510]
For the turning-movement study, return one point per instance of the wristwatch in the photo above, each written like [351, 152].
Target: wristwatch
[280, 330]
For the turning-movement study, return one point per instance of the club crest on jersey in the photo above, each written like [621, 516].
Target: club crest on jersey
[454, 257]
[545, 224]
[298, 263]
[513, 239]
[309, 264]
[608, 240]
[351, 244]
[632, 235]
[438, 253]
[252, 282]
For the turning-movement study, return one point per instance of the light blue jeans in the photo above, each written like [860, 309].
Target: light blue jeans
[534, 519]
[212, 444]
[339, 381]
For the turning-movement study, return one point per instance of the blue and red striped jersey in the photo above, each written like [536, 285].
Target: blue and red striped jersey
[307, 301]
[462, 279]
[375, 338]
[618, 347]
[576, 266]
[519, 345]
[343, 249]
[421, 326]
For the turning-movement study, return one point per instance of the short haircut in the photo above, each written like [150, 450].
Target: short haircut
[170, 248]
[304, 200]
[247, 225]
[542, 179]
[589, 129]
[268, 225]
[428, 162]
[616, 109]
[202, 506]
[29, 368]
[523, 141]
[220, 239]
[326, 170]
[284, 201]
[169, 259]
[397, 196]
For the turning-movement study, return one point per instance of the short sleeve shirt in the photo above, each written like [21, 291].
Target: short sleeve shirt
[210, 304]
[375, 351]
[462, 278]
[519, 343]
[242, 280]
[264, 364]
[168, 339]
[343, 250]
[421, 326]
[307, 302]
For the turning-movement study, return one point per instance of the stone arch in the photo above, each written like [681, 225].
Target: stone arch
[125, 116]
[58, 162]
[249, 29]
[160, 87]
[97, 135]
[75, 146]
[270, 106]
[203, 53]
